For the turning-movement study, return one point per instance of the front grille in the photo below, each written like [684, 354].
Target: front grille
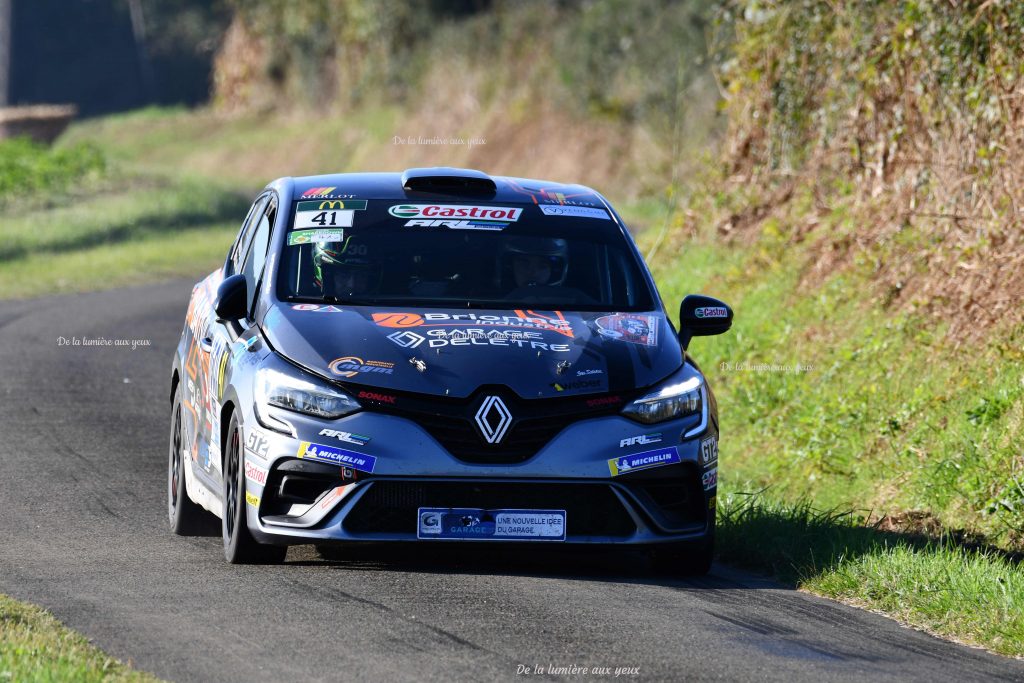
[522, 441]
[535, 422]
[392, 506]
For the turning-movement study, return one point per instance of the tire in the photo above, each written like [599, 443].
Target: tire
[239, 545]
[186, 518]
[691, 559]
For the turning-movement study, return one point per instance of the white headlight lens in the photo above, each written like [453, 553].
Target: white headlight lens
[303, 394]
[668, 403]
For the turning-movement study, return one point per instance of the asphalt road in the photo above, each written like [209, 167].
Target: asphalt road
[84, 533]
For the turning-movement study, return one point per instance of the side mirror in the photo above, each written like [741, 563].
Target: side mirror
[231, 302]
[702, 316]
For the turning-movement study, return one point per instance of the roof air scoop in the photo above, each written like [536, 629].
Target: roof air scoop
[445, 180]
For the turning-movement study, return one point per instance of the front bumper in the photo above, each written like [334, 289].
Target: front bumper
[302, 501]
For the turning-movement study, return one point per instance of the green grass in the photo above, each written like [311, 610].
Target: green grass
[36, 647]
[975, 595]
[140, 231]
[29, 168]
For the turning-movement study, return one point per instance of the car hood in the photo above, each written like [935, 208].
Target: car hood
[453, 352]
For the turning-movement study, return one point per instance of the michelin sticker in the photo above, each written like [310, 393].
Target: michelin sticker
[326, 215]
[574, 211]
[336, 456]
[643, 461]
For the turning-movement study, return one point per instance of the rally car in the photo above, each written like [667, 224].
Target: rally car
[441, 356]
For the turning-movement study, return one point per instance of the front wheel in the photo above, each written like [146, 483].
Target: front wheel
[186, 518]
[239, 545]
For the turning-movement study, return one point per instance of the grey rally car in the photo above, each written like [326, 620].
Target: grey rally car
[441, 356]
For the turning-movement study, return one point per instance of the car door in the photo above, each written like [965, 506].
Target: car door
[205, 357]
[223, 340]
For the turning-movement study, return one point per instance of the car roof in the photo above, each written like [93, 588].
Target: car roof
[393, 186]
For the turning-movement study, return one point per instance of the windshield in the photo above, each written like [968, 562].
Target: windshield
[460, 255]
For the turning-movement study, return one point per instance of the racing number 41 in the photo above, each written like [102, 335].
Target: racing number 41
[321, 218]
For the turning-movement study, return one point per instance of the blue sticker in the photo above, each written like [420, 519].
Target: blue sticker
[642, 461]
[336, 456]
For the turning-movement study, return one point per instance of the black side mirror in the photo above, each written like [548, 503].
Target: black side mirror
[702, 316]
[231, 302]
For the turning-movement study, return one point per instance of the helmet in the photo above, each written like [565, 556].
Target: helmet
[550, 251]
[341, 265]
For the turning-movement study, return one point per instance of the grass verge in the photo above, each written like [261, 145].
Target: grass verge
[941, 585]
[34, 646]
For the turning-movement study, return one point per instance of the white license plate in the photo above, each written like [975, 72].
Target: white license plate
[491, 525]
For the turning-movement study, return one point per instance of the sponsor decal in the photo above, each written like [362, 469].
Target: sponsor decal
[710, 479]
[257, 443]
[711, 312]
[318, 192]
[553, 321]
[709, 450]
[576, 384]
[349, 437]
[328, 215]
[712, 502]
[398, 319]
[222, 368]
[333, 496]
[252, 499]
[317, 308]
[491, 525]
[632, 327]
[255, 473]
[406, 339]
[310, 236]
[520, 339]
[243, 345]
[378, 397]
[493, 213]
[574, 211]
[603, 401]
[333, 205]
[350, 366]
[643, 461]
[455, 224]
[640, 440]
[584, 373]
[336, 456]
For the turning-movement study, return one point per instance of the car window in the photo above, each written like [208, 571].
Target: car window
[383, 252]
[241, 245]
[257, 255]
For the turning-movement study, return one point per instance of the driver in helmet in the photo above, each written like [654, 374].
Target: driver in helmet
[535, 262]
[343, 272]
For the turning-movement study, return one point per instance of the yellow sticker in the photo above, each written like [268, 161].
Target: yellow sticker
[252, 499]
[712, 502]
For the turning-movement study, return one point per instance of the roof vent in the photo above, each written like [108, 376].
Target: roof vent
[448, 180]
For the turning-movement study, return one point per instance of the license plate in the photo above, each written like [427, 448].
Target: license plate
[491, 525]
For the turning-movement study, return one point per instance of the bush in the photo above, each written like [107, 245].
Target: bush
[27, 167]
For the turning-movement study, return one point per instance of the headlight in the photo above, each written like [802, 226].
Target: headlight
[677, 399]
[299, 394]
